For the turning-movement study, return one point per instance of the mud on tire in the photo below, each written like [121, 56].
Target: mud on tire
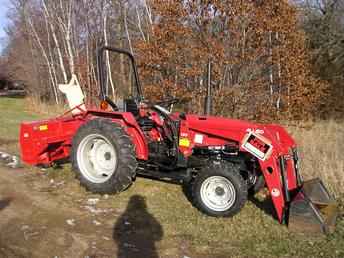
[103, 157]
[219, 190]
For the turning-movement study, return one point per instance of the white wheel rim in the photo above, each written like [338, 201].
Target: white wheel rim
[97, 158]
[218, 193]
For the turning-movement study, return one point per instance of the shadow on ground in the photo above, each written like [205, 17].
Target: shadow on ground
[137, 231]
[265, 205]
[4, 203]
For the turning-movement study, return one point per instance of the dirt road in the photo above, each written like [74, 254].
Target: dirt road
[43, 218]
[32, 225]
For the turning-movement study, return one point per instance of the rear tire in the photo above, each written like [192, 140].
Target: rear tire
[219, 190]
[103, 157]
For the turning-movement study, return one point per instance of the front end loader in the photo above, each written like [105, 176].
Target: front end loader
[221, 161]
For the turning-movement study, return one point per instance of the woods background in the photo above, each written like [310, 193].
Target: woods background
[271, 59]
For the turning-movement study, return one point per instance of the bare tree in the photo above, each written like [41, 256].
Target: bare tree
[45, 55]
[51, 22]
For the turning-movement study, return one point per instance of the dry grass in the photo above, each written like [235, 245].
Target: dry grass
[46, 109]
[322, 153]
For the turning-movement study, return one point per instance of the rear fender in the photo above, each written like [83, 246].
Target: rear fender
[128, 121]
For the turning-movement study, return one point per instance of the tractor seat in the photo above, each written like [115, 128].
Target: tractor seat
[128, 105]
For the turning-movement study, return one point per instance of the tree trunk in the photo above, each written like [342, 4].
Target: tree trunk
[107, 52]
[57, 44]
[46, 59]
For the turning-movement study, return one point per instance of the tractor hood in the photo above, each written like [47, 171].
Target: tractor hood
[218, 123]
[237, 129]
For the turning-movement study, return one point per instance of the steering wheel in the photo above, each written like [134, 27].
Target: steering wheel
[167, 103]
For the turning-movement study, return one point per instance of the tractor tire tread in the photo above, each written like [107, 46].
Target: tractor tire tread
[126, 163]
[231, 172]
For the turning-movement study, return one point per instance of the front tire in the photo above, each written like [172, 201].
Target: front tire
[103, 157]
[258, 185]
[219, 190]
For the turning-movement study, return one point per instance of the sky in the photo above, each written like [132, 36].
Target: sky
[4, 5]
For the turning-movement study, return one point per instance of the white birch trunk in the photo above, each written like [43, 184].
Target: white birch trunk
[57, 44]
[139, 23]
[44, 53]
[65, 24]
[126, 30]
[107, 52]
[68, 38]
[149, 13]
[271, 67]
[50, 52]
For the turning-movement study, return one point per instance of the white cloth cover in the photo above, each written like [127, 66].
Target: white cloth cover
[74, 94]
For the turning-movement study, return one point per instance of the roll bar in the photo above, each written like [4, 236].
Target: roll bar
[100, 62]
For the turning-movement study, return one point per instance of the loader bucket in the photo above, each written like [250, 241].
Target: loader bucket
[313, 209]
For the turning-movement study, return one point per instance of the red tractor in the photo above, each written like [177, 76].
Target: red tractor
[220, 160]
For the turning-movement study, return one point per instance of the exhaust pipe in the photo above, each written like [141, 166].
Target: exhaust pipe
[208, 105]
[313, 210]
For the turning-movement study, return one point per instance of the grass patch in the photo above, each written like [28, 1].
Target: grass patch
[13, 111]
[253, 233]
